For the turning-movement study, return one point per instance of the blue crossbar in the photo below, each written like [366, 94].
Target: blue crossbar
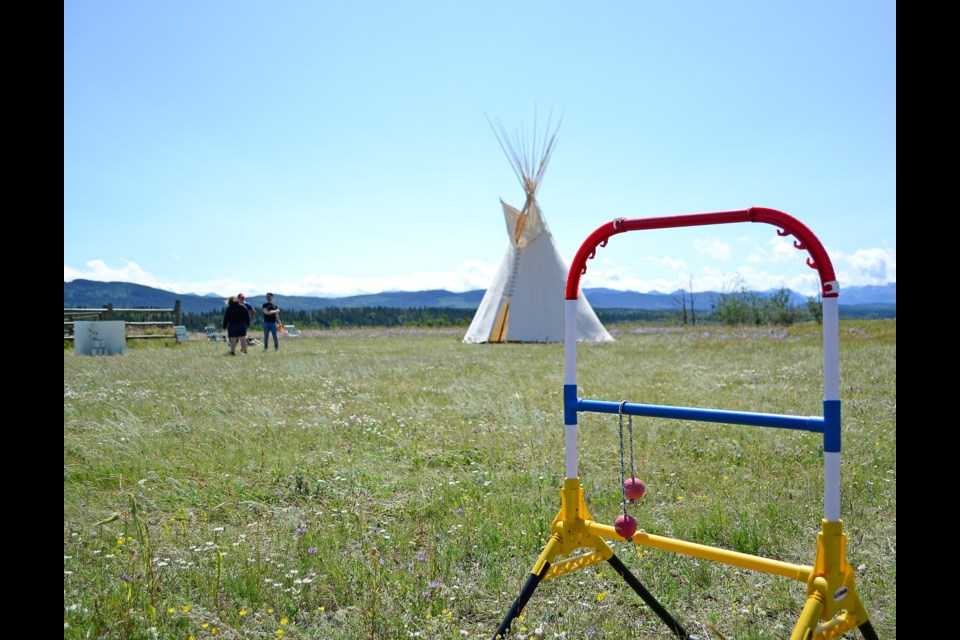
[808, 423]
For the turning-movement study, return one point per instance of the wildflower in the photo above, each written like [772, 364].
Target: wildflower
[205, 625]
[301, 531]
[171, 610]
[321, 608]
[284, 621]
[602, 595]
[186, 608]
[312, 550]
[243, 612]
[279, 632]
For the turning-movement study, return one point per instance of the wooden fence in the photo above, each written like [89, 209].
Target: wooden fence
[109, 312]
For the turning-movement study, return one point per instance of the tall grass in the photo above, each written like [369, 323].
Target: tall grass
[395, 484]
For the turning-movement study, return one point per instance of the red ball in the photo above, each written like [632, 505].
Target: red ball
[625, 525]
[633, 488]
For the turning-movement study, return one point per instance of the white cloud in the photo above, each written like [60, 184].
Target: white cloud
[863, 267]
[712, 248]
[99, 271]
[775, 250]
[673, 264]
[878, 266]
[470, 275]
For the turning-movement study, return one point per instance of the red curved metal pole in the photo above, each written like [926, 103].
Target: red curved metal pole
[788, 225]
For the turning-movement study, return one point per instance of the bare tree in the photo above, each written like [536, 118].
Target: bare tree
[693, 310]
[683, 296]
[681, 299]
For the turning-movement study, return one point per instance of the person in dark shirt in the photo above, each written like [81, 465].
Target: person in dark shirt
[236, 320]
[271, 320]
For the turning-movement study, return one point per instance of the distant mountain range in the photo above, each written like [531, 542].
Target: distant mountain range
[94, 294]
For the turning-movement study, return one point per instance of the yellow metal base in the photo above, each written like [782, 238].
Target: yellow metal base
[832, 607]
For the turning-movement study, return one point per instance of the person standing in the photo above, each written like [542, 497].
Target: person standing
[271, 320]
[248, 307]
[236, 320]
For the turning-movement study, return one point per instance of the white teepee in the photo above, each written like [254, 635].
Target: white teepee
[525, 302]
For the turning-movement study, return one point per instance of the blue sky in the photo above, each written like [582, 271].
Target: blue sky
[321, 148]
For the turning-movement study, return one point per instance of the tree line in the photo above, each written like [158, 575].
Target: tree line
[739, 307]
[349, 317]
[734, 307]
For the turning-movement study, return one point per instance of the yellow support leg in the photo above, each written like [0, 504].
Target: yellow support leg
[812, 610]
[832, 607]
[833, 581]
[571, 531]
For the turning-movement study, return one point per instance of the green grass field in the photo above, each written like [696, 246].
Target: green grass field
[398, 484]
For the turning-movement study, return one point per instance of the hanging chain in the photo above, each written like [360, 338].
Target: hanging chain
[630, 427]
[623, 486]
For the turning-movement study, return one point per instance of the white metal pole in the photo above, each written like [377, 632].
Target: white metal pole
[831, 397]
[570, 383]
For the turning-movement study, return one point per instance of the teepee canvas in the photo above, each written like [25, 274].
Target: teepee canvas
[525, 302]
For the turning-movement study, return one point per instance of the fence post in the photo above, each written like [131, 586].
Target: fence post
[107, 314]
[177, 313]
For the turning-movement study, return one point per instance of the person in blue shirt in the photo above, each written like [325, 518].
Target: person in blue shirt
[248, 306]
